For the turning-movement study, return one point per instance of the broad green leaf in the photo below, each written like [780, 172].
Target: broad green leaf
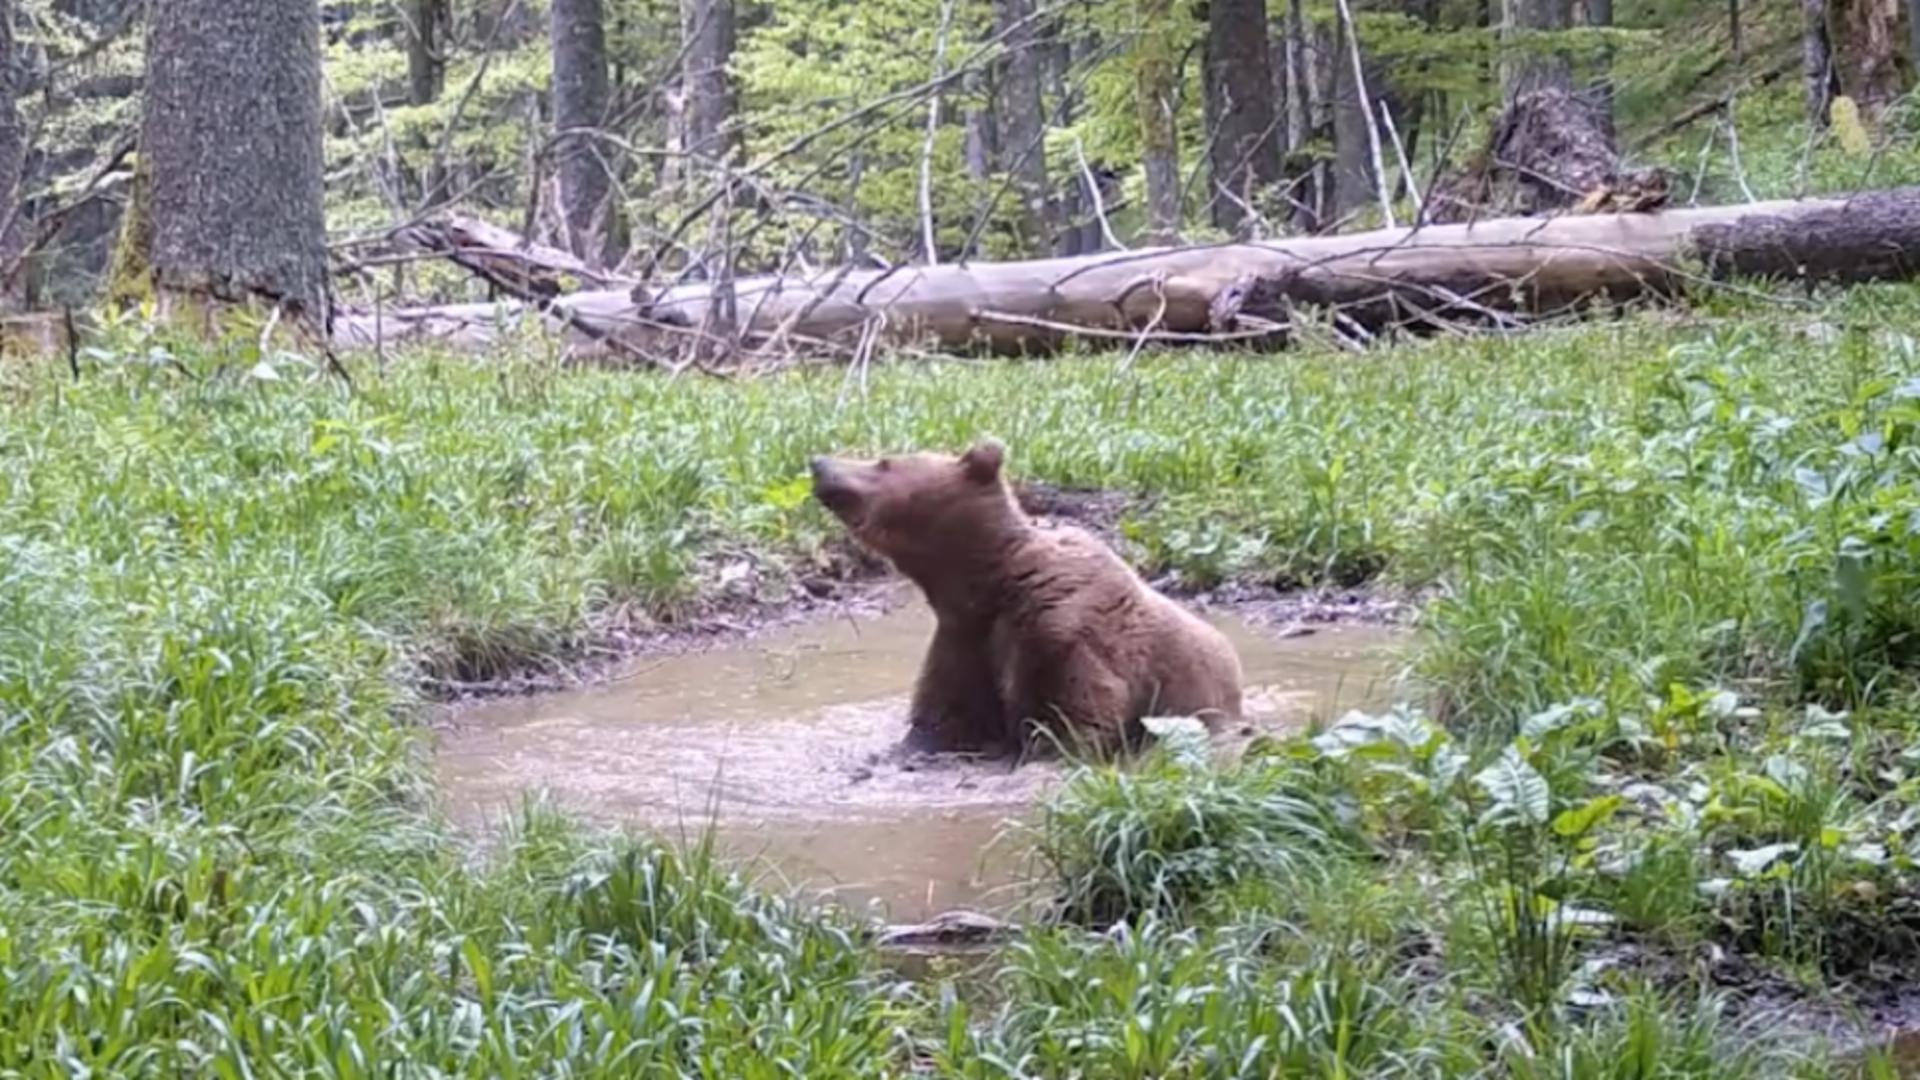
[1752, 862]
[1589, 815]
[1519, 792]
[1184, 738]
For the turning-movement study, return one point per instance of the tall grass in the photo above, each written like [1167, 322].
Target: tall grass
[220, 595]
[1165, 837]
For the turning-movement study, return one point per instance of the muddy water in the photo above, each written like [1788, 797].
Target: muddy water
[783, 743]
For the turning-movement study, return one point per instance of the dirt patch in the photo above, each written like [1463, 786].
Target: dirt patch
[1290, 613]
[1851, 1016]
[1094, 509]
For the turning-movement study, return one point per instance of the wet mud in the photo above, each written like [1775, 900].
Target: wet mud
[784, 743]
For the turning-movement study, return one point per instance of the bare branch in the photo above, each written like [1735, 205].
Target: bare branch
[931, 240]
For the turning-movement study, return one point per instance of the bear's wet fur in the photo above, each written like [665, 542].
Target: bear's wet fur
[1042, 633]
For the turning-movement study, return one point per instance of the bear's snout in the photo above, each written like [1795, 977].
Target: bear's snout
[832, 487]
[825, 474]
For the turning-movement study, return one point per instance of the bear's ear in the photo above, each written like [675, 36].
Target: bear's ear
[983, 462]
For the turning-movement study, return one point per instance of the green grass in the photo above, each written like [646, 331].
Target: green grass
[222, 596]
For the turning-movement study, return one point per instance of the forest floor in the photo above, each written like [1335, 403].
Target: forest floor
[1644, 810]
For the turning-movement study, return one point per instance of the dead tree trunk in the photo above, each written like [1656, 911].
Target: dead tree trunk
[1551, 148]
[1156, 87]
[1502, 271]
[1244, 157]
[580, 98]
[231, 145]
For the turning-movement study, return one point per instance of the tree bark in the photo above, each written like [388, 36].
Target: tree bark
[708, 36]
[1913, 34]
[1156, 89]
[1529, 67]
[1862, 34]
[1599, 16]
[1376, 280]
[1299, 77]
[1816, 62]
[1358, 155]
[426, 61]
[13, 163]
[1022, 121]
[1075, 231]
[707, 27]
[231, 141]
[589, 217]
[428, 31]
[983, 136]
[1245, 154]
[1302, 172]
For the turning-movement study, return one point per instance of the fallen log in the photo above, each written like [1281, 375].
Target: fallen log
[1503, 271]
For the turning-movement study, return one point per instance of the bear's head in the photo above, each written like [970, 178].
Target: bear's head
[925, 513]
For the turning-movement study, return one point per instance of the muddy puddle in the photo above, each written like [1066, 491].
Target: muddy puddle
[783, 744]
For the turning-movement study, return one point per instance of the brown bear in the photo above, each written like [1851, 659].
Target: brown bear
[1039, 628]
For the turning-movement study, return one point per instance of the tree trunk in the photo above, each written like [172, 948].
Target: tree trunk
[1549, 149]
[1303, 106]
[854, 239]
[1299, 77]
[1377, 280]
[589, 217]
[1022, 121]
[427, 37]
[231, 143]
[13, 163]
[1913, 35]
[1156, 90]
[983, 136]
[1356, 85]
[1862, 35]
[708, 37]
[1599, 15]
[1816, 62]
[1245, 154]
[1073, 213]
[426, 62]
[1529, 66]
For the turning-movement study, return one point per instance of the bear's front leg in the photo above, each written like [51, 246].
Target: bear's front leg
[956, 703]
[1071, 699]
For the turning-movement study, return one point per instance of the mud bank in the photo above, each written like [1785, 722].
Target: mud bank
[784, 742]
[742, 596]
